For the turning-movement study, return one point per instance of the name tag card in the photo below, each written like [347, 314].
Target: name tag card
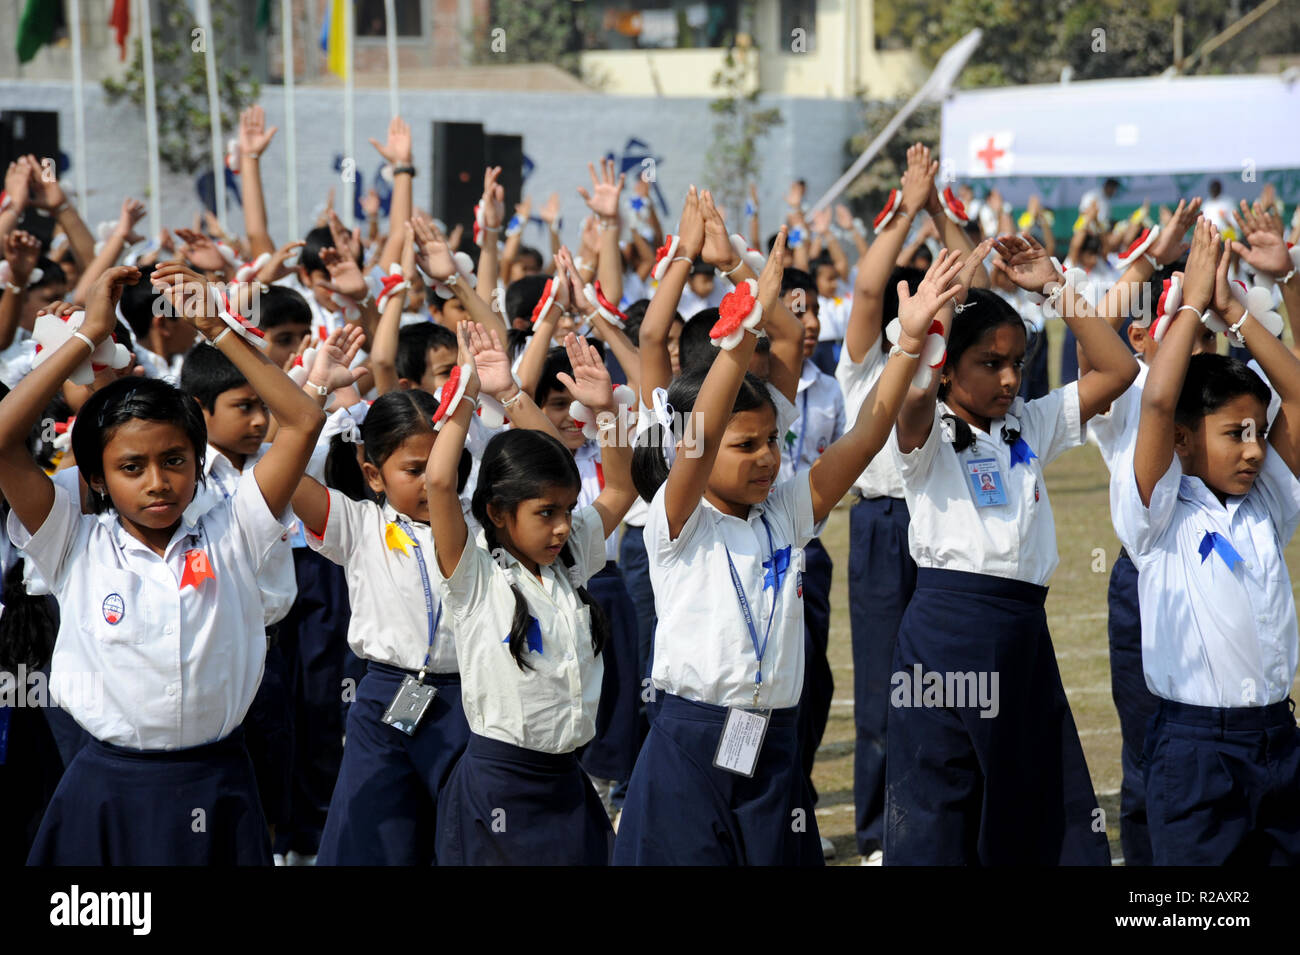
[986, 482]
[409, 705]
[742, 739]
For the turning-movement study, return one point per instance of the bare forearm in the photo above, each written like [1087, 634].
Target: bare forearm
[106, 259]
[255, 227]
[80, 240]
[610, 267]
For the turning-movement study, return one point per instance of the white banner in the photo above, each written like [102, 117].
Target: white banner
[1153, 127]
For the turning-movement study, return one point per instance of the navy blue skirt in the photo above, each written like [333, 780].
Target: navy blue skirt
[116, 806]
[611, 753]
[984, 773]
[682, 810]
[505, 805]
[384, 810]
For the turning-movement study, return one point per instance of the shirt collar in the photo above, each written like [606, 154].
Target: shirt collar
[188, 527]
[807, 375]
[756, 511]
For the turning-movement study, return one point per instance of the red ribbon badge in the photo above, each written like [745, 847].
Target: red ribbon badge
[197, 569]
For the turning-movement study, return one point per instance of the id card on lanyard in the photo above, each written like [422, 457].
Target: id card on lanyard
[413, 697]
[744, 730]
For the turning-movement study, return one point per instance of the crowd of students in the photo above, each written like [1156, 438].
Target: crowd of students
[395, 548]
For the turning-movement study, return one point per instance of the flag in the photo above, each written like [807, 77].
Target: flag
[120, 21]
[263, 20]
[333, 37]
[39, 22]
[991, 154]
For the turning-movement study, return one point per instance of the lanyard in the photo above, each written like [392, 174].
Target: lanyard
[759, 650]
[221, 485]
[428, 595]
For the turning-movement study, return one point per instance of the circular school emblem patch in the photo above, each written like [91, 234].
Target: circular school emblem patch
[821, 445]
[114, 609]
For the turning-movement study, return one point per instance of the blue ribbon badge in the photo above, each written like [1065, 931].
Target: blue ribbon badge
[1214, 541]
[776, 569]
[534, 636]
[1021, 452]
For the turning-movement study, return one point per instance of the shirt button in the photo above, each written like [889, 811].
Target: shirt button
[167, 629]
[171, 690]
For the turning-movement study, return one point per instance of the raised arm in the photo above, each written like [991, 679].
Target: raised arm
[254, 138]
[1154, 451]
[383, 350]
[604, 203]
[493, 209]
[688, 478]
[656, 366]
[300, 419]
[590, 385]
[1268, 255]
[434, 256]
[396, 150]
[132, 212]
[495, 380]
[44, 192]
[1026, 262]
[21, 251]
[834, 472]
[442, 473]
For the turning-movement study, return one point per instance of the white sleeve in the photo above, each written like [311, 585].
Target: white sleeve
[790, 504]
[344, 521]
[50, 548]
[1279, 490]
[587, 542]
[259, 529]
[1051, 423]
[786, 413]
[916, 464]
[1140, 528]
[659, 547]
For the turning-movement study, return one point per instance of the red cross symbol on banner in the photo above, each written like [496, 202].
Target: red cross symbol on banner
[989, 154]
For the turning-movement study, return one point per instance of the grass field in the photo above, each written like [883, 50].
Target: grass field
[1076, 611]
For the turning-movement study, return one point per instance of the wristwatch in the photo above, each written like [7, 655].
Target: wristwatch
[404, 168]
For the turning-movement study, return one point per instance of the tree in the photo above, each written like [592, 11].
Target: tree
[181, 85]
[530, 31]
[735, 156]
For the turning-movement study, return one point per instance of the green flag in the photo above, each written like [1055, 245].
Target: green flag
[263, 14]
[36, 28]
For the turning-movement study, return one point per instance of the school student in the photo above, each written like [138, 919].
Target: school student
[167, 610]
[1206, 508]
[528, 635]
[1113, 431]
[820, 423]
[978, 771]
[719, 781]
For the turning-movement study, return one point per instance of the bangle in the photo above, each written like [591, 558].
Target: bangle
[897, 350]
[1286, 278]
[492, 228]
[86, 339]
[250, 155]
[214, 342]
[321, 390]
[734, 268]
[1193, 310]
[609, 424]
[14, 288]
[683, 258]
[1234, 331]
[513, 400]
[1151, 259]
[405, 169]
[62, 206]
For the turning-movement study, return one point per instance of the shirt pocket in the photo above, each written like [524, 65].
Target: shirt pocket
[114, 608]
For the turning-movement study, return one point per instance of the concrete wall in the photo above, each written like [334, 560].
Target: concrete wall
[562, 133]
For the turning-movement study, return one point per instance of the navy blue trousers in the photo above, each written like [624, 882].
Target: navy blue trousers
[682, 810]
[1223, 785]
[268, 734]
[117, 806]
[313, 641]
[385, 808]
[635, 565]
[818, 682]
[612, 751]
[964, 787]
[505, 805]
[882, 577]
[1135, 704]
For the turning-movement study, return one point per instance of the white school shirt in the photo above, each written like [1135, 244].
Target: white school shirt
[690, 303]
[1115, 430]
[1212, 636]
[550, 708]
[16, 360]
[1017, 539]
[390, 622]
[833, 316]
[587, 458]
[179, 668]
[278, 580]
[156, 366]
[880, 478]
[820, 423]
[703, 649]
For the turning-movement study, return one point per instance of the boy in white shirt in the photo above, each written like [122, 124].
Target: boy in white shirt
[1205, 510]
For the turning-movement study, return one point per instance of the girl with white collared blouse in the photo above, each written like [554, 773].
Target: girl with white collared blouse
[528, 636]
[159, 609]
[718, 780]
